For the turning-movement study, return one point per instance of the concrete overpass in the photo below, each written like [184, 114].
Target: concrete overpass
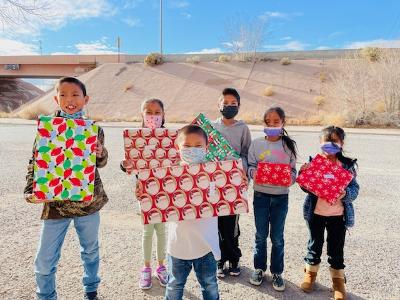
[55, 66]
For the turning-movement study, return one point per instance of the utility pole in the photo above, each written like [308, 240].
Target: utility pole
[119, 47]
[161, 27]
[40, 47]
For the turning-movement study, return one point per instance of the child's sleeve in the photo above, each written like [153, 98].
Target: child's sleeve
[28, 190]
[252, 161]
[101, 161]
[246, 142]
[352, 189]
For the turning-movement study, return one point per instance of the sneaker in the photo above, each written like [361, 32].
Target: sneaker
[90, 296]
[257, 277]
[145, 279]
[162, 275]
[278, 283]
[234, 269]
[220, 270]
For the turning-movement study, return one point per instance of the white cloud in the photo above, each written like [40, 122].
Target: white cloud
[278, 15]
[62, 53]
[286, 38]
[179, 4]
[12, 47]
[187, 16]
[289, 46]
[382, 43]
[323, 48]
[133, 22]
[96, 47]
[57, 13]
[131, 4]
[206, 51]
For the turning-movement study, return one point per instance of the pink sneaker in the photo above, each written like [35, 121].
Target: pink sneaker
[162, 275]
[145, 279]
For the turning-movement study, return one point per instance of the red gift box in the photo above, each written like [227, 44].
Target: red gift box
[325, 179]
[190, 192]
[150, 148]
[273, 174]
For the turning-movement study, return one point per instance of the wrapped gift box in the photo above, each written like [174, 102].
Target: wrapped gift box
[65, 159]
[189, 192]
[147, 148]
[218, 146]
[325, 179]
[273, 174]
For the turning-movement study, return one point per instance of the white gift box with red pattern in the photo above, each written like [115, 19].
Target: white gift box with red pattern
[187, 192]
[273, 174]
[150, 148]
[325, 179]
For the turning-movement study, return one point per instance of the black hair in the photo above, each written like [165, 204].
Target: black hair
[153, 100]
[327, 135]
[286, 140]
[233, 92]
[193, 129]
[72, 80]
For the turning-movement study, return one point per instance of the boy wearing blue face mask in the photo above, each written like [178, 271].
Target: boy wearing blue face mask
[271, 201]
[335, 218]
[71, 98]
[237, 133]
[192, 243]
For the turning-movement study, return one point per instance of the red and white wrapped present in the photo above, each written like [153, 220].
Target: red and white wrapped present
[324, 179]
[150, 148]
[273, 174]
[187, 192]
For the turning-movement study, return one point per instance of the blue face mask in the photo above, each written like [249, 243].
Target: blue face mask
[77, 115]
[193, 155]
[331, 148]
[273, 131]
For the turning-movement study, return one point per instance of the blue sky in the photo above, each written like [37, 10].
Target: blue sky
[92, 26]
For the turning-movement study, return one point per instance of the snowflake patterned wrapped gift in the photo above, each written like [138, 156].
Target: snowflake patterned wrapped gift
[218, 147]
[65, 159]
[273, 174]
[147, 148]
[190, 192]
[324, 179]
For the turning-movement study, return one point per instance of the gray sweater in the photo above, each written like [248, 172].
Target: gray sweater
[238, 135]
[273, 152]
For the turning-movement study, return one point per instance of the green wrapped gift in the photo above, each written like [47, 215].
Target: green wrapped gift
[218, 146]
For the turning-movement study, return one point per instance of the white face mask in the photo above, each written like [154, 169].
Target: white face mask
[193, 155]
[153, 121]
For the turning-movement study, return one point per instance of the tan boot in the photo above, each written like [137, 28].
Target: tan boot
[310, 274]
[338, 284]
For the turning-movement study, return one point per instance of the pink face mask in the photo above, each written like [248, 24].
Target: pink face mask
[153, 121]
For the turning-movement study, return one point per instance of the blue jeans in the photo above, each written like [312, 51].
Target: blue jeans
[206, 273]
[49, 251]
[270, 214]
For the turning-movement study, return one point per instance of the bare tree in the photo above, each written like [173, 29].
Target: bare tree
[17, 12]
[244, 37]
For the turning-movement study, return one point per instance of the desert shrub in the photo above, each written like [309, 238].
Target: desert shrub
[223, 58]
[285, 61]
[268, 91]
[193, 59]
[153, 59]
[372, 54]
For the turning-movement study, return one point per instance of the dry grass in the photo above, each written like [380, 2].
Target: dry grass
[285, 61]
[153, 59]
[4, 114]
[268, 91]
[323, 76]
[319, 100]
[224, 58]
[371, 53]
[128, 87]
[193, 60]
[32, 112]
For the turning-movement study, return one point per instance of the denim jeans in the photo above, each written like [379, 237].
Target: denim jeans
[49, 251]
[206, 272]
[270, 214]
[336, 233]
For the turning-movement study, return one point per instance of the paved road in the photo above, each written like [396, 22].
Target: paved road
[371, 252]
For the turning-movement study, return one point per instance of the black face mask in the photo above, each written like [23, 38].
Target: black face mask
[230, 112]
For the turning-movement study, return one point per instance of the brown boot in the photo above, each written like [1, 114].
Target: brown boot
[310, 274]
[338, 284]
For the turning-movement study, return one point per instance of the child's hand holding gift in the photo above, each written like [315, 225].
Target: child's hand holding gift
[138, 191]
[99, 150]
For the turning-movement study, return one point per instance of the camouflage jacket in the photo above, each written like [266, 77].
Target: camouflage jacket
[70, 209]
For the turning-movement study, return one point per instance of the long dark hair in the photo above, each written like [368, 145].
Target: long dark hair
[286, 140]
[327, 135]
[152, 100]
